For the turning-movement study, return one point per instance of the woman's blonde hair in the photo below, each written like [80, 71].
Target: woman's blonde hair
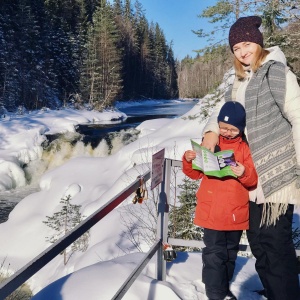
[260, 56]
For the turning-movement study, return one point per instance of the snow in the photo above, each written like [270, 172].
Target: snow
[21, 137]
[91, 180]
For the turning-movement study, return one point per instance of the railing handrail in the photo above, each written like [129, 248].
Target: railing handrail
[135, 273]
[198, 243]
[22, 275]
[17, 279]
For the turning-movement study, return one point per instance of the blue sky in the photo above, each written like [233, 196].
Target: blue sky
[178, 18]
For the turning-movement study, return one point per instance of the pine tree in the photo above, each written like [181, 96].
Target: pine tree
[9, 56]
[64, 221]
[101, 80]
[181, 217]
[124, 17]
[171, 75]
[141, 28]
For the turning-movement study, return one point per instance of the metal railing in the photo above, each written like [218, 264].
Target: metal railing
[180, 242]
[21, 276]
[163, 221]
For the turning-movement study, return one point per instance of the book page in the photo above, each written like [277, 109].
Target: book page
[210, 161]
[213, 164]
[205, 159]
[197, 163]
[226, 158]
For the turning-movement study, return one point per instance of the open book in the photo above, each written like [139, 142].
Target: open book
[213, 164]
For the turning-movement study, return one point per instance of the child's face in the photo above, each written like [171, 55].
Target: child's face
[228, 131]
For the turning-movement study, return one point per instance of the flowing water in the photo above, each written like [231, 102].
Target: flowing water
[92, 139]
[137, 112]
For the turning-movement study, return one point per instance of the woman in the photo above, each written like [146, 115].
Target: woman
[271, 95]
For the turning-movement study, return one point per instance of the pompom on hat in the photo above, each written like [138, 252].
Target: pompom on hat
[245, 29]
[233, 113]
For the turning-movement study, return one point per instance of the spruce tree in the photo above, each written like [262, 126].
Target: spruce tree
[101, 80]
[182, 217]
[62, 222]
[129, 44]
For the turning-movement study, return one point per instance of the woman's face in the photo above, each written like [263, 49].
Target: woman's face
[245, 52]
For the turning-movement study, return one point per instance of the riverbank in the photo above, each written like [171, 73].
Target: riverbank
[52, 137]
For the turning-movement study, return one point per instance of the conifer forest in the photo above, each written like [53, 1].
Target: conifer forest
[91, 53]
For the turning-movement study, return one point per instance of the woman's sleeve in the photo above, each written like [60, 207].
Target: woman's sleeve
[292, 109]
[212, 123]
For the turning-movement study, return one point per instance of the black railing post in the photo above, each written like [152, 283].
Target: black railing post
[163, 219]
[160, 265]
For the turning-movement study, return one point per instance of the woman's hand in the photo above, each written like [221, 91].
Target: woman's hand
[210, 140]
[238, 170]
[190, 155]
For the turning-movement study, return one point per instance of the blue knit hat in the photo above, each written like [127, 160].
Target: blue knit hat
[233, 113]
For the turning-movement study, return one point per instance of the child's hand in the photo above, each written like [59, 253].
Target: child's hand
[238, 170]
[190, 155]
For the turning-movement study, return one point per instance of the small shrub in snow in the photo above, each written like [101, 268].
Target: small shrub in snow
[64, 221]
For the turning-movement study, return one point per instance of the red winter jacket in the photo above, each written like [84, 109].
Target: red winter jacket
[223, 203]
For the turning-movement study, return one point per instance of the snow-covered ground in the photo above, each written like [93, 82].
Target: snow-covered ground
[91, 181]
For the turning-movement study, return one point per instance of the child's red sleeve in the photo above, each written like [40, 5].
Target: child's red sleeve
[189, 171]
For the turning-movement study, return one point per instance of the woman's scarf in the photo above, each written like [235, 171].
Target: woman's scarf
[270, 138]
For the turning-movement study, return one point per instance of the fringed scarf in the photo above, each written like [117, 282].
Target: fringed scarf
[270, 138]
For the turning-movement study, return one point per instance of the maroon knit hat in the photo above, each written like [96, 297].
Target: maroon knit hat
[245, 29]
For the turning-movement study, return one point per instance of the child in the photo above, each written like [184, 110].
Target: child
[223, 203]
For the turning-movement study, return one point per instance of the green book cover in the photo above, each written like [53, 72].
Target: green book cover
[213, 164]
